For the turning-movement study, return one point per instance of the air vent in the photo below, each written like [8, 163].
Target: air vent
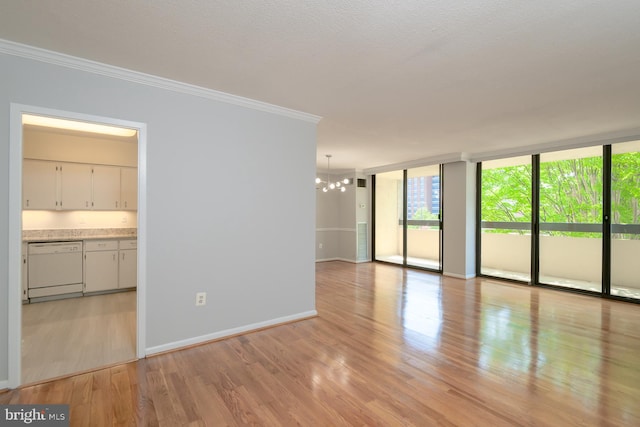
[362, 183]
[362, 241]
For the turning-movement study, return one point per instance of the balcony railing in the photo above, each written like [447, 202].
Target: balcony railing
[567, 260]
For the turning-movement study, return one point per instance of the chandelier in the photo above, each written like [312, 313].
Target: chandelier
[332, 185]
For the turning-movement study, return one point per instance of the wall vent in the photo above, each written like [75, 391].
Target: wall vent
[362, 183]
[361, 232]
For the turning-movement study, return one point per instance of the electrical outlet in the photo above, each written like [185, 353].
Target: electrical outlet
[201, 298]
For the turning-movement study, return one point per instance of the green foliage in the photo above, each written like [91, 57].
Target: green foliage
[625, 188]
[506, 195]
[570, 192]
[423, 214]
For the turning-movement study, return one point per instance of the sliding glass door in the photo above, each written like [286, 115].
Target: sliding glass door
[571, 214]
[625, 220]
[423, 217]
[506, 218]
[567, 218]
[389, 235]
[407, 213]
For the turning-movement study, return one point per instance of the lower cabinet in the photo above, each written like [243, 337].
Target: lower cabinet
[25, 273]
[110, 265]
[100, 265]
[128, 264]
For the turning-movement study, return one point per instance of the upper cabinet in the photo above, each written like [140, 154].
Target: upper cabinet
[76, 186]
[106, 188]
[39, 185]
[129, 188]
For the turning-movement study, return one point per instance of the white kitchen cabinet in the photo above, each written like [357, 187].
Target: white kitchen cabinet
[75, 186]
[128, 265]
[39, 185]
[56, 185]
[100, 265]
[129, 188]
[106, 188]
[25, 273]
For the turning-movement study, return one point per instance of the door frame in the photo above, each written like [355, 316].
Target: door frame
[15, 228]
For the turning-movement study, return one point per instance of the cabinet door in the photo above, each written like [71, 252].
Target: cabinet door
[39, 185]
[101, 271]
[129, 188]
[25, 272]
[106, 188]
[75, 186]
[128, 268]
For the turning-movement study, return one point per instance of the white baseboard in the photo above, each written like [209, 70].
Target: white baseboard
[341, 259]
[459, 276]
[228, 332]
[4, 385]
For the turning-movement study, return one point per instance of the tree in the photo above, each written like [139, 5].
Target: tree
[570, 192]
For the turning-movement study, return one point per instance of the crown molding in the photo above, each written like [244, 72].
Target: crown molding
[609, 138]
[55, 58]
[427, 161]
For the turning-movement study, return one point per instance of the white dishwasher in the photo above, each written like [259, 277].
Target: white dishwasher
[55, 269]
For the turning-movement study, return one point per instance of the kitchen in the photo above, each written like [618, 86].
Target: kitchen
[79, 247]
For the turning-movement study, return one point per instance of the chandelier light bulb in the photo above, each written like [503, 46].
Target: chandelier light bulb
[343, 189]
[338, 184]
[324, 189]
[345, 181]
[318, 180]
[332, 186]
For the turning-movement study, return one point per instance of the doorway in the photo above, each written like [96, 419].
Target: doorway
[16, 309]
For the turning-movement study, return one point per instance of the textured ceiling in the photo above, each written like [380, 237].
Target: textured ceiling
[394, 80]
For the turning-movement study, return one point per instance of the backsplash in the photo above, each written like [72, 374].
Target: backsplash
[73, 220]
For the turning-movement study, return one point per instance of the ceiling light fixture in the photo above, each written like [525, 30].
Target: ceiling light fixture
[53, 122]
[328, 184]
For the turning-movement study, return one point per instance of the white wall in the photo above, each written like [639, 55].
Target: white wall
[106, 150]
[336, 216]
[216, 220]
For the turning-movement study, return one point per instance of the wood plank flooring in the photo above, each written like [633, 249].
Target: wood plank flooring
[77, 334]
[389, 347]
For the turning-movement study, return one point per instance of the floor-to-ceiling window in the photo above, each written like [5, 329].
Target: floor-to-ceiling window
[571, 213]
[506, 218]
[567, 218]
[389, 236]
[407, 212]
[625, 219]
[423, 217]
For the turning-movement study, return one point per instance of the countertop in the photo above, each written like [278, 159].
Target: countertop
[78, 234]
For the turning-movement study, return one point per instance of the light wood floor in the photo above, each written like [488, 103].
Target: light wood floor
[389, 347]
[77, 334]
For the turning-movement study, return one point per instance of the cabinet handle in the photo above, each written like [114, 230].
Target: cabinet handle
[86, 204]
[125, 204]
[27, 202]
[123, 256]
[114, 257]
[116, 204]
